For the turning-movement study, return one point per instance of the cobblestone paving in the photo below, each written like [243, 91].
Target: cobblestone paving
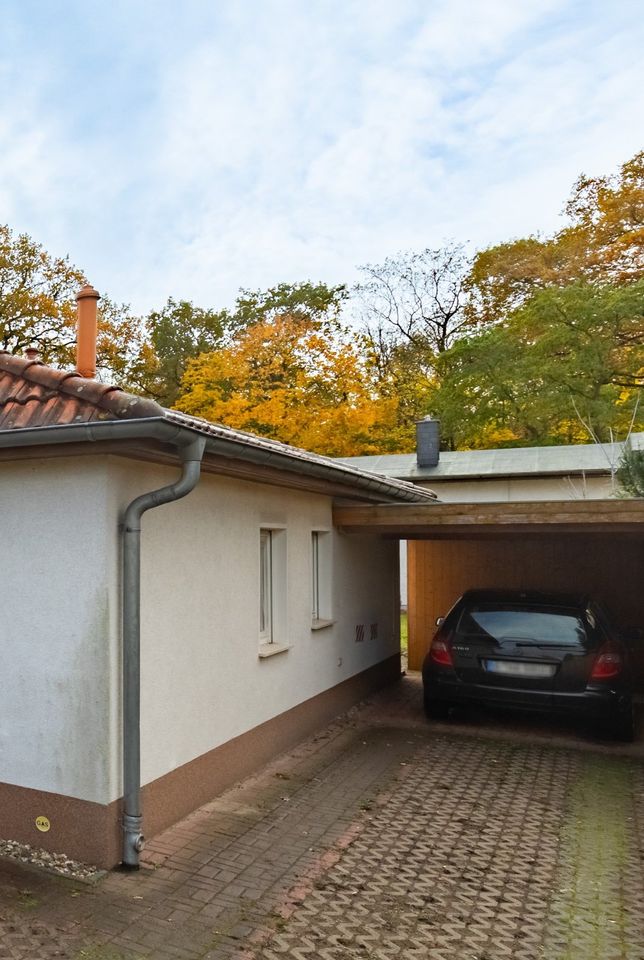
[374, 841]
[478, 854]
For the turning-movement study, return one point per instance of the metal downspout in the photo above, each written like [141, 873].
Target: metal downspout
[191, 456]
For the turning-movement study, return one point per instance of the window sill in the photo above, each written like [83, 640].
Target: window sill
[321, 624]
[272, 649]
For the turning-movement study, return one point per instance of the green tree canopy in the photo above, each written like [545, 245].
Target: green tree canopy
[567, 362]
[176, 334]
[315, 301]
[630, 471]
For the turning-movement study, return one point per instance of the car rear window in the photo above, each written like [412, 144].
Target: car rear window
[512, 622]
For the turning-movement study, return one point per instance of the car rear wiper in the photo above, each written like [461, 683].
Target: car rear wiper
[546, 645]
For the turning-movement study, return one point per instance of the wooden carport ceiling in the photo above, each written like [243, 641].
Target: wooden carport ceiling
[443, 521]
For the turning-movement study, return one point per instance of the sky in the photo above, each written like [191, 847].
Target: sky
[190, 149]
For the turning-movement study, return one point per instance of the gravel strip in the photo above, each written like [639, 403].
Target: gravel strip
[58, 863]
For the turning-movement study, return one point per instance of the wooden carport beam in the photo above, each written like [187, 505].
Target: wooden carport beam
[472, 520]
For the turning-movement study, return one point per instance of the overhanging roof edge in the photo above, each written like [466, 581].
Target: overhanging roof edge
[223, 441]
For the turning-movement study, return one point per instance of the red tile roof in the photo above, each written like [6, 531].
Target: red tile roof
[35, 395]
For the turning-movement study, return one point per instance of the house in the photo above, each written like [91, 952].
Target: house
[483, 487]
[178, 606]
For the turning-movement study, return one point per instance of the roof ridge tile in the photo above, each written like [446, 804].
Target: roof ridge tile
[46, 376]
[32, 380]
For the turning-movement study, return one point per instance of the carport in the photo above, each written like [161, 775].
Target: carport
[593, 547]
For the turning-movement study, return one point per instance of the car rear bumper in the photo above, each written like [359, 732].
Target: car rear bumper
[593, 702]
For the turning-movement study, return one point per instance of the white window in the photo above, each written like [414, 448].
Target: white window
[265, 586]
[320, 579]
[272, 592]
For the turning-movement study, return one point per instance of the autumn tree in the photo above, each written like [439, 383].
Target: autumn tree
[602, 243]
[38, 308]
[180, 331]
[294, 375]
[37, 291]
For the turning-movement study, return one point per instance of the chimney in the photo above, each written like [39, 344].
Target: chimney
[86, 299]
[428, 442]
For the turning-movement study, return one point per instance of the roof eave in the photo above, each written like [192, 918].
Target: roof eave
[523, 475]
[236, 446]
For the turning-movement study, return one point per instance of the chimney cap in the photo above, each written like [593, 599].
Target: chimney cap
[88, 291]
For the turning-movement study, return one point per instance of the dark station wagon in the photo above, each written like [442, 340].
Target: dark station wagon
[529, 651]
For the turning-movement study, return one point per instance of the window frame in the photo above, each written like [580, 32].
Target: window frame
[321, 575]
[272, 612]
[266, 586]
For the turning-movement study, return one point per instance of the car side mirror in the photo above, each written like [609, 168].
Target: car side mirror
[440, 621]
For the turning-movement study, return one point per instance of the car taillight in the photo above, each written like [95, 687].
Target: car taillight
[609, 662]
[440, 652]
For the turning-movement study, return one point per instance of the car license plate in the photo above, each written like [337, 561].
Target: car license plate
[512, 668]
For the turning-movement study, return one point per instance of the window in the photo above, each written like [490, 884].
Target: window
[265, 587]
[272, 592]
[541, 625]
[315, 575]
[320, 579]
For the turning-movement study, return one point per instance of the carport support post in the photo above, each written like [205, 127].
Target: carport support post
[191, 456]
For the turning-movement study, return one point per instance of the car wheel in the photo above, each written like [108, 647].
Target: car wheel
[436, 709]
[623, 725]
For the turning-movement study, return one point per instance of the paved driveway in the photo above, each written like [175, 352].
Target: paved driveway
[382, 837]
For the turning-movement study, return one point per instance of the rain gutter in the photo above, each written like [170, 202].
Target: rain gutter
[191, 455]
[223, 442]
[190, 448]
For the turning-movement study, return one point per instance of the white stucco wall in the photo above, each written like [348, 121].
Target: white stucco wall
[57, 629]
[523, 489]
[203, 681]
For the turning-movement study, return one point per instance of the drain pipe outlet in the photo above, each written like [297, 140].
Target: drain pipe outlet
[191, 456]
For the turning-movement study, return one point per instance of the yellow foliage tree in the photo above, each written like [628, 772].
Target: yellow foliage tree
[38, 308]
[603, 243]
[294, 378]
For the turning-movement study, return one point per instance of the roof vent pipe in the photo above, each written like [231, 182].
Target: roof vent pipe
[428, 442]
[87, 300]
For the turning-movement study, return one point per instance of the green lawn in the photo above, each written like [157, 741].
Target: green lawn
[403, 631]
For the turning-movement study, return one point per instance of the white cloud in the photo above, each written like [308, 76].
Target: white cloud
[234, 144]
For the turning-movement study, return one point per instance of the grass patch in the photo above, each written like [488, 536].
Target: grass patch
[27, 900]
[588, 903]
[404, 631]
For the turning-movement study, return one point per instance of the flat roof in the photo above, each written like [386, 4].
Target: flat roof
[564, 460]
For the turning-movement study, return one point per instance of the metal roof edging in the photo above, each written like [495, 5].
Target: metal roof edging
[159, 428]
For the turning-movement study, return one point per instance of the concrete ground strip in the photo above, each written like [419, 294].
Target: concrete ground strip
[383, 837]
